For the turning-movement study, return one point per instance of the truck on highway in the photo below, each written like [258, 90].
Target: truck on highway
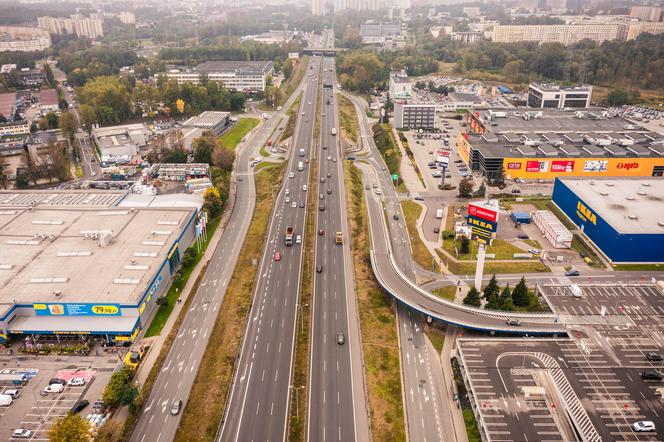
[339, 238]
[334, 131]
[288, 238]
[300, 166]
[439, 213]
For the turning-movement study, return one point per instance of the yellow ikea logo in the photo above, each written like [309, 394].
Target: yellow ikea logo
[585, 213]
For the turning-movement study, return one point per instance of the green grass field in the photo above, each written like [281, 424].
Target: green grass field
[234, 135]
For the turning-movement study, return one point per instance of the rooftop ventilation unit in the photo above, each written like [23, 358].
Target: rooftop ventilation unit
[629, 198]
[632, 217]
[641, 192]
[57, 293]
[603, 193]
[609, 184]
[6, 266]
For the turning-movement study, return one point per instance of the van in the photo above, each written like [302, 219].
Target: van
[5, 400]
[439, 213]
[300, 166]
[576, 290]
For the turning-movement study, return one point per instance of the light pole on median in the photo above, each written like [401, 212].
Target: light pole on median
[302, 317]
[297, 402]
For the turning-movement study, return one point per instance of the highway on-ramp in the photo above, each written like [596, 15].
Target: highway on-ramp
[177, 375]
[257, 409]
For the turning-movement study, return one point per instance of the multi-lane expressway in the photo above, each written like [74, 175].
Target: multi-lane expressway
[179, 369]
[337, 410]
[257, 409]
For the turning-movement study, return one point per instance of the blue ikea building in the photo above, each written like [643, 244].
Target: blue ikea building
[622, 217]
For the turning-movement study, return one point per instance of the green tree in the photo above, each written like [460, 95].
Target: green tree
[505, 297]
[88, 117]
[117, 389]
[617, 97]
[52, 120]
[492, 302]
[223, 158]
[492, 288]
[48, 72]
[287, 68]
[466, 188]
[352, 38]
[473, 298]
[68, 125]
[111, 431]
[109, 96]
[212, 201]
[512, 70]
[508, 305]
[465, 245]
[204, 147]
[520, 293]
[481, 191]
[70, 428]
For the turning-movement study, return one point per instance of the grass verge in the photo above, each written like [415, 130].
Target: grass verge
[447, 292]
[471, 426]
[499, 247]
[436, 336]
[468, 268]
[215, 374]
[292, 118]
[296, 77]
[348, 118]
[379, 327]
[580, 246]
[174, 292]
[639, 267]
[422, 256]
[232, 137]
[388, 148]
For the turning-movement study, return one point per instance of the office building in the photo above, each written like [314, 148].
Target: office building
[76, 24]
[646, 13]
[14, 128]
[414, 116]
[549, 143]
[18, 38]
[400, 86]
[378, 33]
[622, 217]
[551, 95]
[245, 76]
[215, 122]
[466, 37]
[88, 263]
[455, 101]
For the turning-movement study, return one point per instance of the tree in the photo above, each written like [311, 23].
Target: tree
[204, 147]
[189, 257]
[111, 431]
[520, 293]
[223, 158]
[52, 120]
[466, 188]
[473, 298]
[4, 175]
[492, 302]
[465, 245]
[117, 390]
[42, 124]
[48, 72]
[68, 125]
[492, 288]
[109, 96]
[70, 428]
[617, 97]
[481, 191]
[88, 117]
[287, 68]
[212, 201]
[179, 105]
[352, 38]
[512, 69]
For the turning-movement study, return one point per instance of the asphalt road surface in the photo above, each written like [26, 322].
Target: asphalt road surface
[335, 398]
[179, 370]
[257, 409]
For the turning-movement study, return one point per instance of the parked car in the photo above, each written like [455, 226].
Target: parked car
[643, 426]
[654, 357]
[76, 382]
[54, 388]
[523, 236]
[57, 381]
[651, 375]
[22, 433]
[79, 405]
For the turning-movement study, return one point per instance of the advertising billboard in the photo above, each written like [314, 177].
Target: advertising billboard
[73, 309]
[480, 223]
[563, 166]
[514, 166]
[595, 165]
[483, 212]
[537, 166]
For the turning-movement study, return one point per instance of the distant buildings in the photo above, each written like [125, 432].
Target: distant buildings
[119, 144]
[48, 100]
[127, 18]
[380, 33]
[554, 96]
[646, 13]
[466, 37]
[76, 24]
[567, 34]
[318, 7]
[357, 5]
[18, 38]
[400, 86]
[245, 76]
[271, 37]
[414, 115]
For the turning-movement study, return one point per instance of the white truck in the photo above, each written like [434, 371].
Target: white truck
[334, 131]
[300, 166]
[439, 213]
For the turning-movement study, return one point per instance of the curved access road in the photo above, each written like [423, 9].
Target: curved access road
[395, 282]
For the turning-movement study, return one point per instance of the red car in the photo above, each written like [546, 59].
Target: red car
[277, 256]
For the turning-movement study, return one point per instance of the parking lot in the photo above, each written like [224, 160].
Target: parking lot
[594, 376]
[36, 411]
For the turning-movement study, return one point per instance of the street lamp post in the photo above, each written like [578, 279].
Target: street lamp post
[297, 402]
[302, 317]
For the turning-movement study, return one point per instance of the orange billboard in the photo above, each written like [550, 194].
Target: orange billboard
[551, 168]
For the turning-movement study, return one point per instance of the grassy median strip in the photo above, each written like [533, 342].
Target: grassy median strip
[205, 407]
[296, 77]
[378, 325]
[348, 118]
[387, 146]
[422, 256]
[233, 136]
[292, 118]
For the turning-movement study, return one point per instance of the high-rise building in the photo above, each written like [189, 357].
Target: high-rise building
[76, 24]
[318, 7]
[646, 13]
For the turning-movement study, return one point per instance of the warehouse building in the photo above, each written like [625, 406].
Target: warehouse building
[81, 262]
[622, 217]
[120, 144]
[548, 143]
[215, 122]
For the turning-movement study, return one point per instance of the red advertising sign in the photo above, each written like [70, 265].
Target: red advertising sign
[562, 166]
[514, 166]
[532, 166]
[628, 166]
[483, 212]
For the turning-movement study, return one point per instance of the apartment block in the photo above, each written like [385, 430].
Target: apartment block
[646, 13]
[76, 24]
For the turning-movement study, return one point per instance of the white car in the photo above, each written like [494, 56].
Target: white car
[54, 388]
[76, 382]
[291, 175]
[304, 188]
[294, 205]
[643, 426]
[22, 433]
[534, 251]
[379, 192]
[287, 191]
[288, 199]
[298, 239]
[329, 158]
[279, 108]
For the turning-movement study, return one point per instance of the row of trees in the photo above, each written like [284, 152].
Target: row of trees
[519, 298]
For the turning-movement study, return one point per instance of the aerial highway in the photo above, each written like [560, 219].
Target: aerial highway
[257, 409]
[179, 369]
[336, 395]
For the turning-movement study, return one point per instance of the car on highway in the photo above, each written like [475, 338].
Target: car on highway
[176, 406]
[321, 207]
[513, 321]
[651, 375]
[321, 232]
[319, 268]
[301, 204]
[329, 158]
[304, 188]
[291, 175]
[334, 159]
[298, 239]
[329, 191]
[643, 426]
[294, 205]
[287, 199]
[379, 192]
[76, 382]
[322, 179]
[277, 256]
[22, 433]
[654, 357]
[367, 187]
[572, 273]
[341, 339]
[329, 175]
[324, 146]
[320, 197]
[79, 406]
[395, 217]
[287, 191]
[436, 230]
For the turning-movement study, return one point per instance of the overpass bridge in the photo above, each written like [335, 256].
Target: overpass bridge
[323, 52]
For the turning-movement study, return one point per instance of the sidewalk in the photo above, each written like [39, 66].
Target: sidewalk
[410, 178]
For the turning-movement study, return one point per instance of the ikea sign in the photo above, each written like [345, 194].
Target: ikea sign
[586, 215]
